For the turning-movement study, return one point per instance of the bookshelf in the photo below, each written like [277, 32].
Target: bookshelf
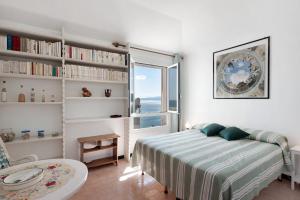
[89, 63]
[34, 139]
[60, 116]
[31, 103]
[96, 98]
[19, 54]
[23, 76]
[95, 119]
[95, 81]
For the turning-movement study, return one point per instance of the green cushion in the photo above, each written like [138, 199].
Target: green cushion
[212, 129]
[233, 133]
[3, 159]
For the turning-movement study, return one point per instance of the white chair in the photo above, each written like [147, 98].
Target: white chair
[6, 161]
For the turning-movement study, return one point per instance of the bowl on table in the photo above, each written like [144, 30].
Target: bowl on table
[22, 179]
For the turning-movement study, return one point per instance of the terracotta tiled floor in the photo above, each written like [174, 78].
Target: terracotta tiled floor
[117, 183]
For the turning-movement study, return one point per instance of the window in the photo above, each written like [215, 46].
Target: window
[146, 96]
[173, 87]
[149, 121]
[147, 89]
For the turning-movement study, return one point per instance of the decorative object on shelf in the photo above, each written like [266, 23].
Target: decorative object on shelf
[55, 134]
[86, 92]
[25, 134]
[43, 96]
[21, 97]
[32, 95]
[52, 99]
[7, 135]
[242, 72]
[4, 93]
[115, 116]
[41, 133]
[107, 92]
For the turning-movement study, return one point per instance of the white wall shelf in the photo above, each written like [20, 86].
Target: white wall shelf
[31, 103]
[96, 81]
[34, 139]
[24, 76]
[55, 119]
[87, 120]
[96, 98]
[26, 55]
[94, 64]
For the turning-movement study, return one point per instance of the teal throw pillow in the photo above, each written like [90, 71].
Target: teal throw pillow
[233, 133]
[212, 129]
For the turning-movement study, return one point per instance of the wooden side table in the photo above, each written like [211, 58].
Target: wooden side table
[98, 139]
[294, 176]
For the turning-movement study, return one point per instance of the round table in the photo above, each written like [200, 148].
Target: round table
[67, 190]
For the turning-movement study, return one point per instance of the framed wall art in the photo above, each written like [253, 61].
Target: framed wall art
[242, 72]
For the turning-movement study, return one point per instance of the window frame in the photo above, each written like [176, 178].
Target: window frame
[177, 89]
[163, 95]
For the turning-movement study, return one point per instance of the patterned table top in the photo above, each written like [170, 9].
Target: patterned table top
[56, 175]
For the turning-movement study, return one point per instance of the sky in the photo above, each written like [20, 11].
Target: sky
[147, 82]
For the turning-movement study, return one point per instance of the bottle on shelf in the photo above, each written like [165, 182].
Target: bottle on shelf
[52, 99]
[43, 96]
[4, 93]
[21, 97]
[32, 95]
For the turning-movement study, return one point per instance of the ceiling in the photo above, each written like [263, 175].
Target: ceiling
[156, 24]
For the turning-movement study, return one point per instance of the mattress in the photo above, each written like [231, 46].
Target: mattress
[195, 166]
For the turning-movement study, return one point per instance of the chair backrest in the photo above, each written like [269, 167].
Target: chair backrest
[4, 157]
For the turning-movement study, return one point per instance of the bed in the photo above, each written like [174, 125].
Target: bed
[197, 167]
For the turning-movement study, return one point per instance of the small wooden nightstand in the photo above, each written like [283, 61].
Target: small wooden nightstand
[98, 139]
[295, 177]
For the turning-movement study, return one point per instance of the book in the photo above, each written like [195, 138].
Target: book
[3, 42]
[29, 68]
[9, 42]
[94, 73]
[15, 43]
[93, 55]
[54, 71]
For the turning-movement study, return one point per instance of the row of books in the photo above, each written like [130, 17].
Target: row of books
[30, 68]
[94, 73]
[92, 55]
[17, 43]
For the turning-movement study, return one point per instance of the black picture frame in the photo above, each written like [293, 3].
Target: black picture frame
[267, 75]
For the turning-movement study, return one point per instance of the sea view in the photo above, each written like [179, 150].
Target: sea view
[150, 105]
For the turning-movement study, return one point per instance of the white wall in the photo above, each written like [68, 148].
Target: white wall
[213, 25]
[113, 20]
[121, 20]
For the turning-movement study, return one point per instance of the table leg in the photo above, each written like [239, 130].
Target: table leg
[166, 190]
[81, 152]
[293, 172]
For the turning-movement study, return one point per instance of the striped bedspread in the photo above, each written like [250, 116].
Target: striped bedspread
[197, 167]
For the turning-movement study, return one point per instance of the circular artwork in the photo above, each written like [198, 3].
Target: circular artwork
[240, 72]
